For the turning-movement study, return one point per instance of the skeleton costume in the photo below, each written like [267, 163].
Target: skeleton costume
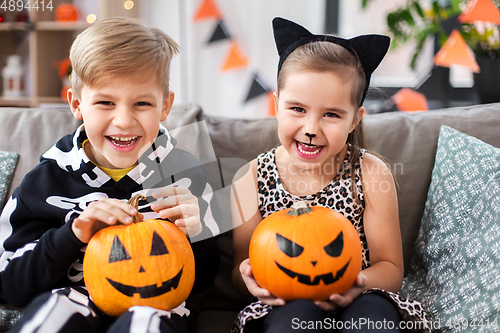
[338, 194]
[39, 252]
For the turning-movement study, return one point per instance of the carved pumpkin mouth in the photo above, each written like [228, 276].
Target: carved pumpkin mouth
[147, 291]
[327, 278]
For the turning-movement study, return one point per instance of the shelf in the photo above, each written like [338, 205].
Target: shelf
[15, 101]
[16, 26]
[49, 100]
[61, 26]
[43, 43]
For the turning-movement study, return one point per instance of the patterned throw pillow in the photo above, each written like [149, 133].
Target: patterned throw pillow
[8, 163]
[456, 261]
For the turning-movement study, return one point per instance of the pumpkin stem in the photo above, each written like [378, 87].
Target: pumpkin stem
[298, 208]
[134, 202]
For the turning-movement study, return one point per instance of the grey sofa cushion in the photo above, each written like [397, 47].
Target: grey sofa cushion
[30, 132]
[409, 141]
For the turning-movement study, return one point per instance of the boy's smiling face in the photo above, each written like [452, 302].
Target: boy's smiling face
[121, 117]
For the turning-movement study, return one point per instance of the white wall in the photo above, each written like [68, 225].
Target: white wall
[196, 75]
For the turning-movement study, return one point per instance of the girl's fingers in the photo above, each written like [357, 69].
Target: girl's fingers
[326, 306]
[361, 280]
[272, 301]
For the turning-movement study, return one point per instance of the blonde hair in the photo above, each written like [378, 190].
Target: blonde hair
[118, 47]
[324, 56]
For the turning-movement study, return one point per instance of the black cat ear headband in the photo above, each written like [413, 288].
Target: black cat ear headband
[369, 49]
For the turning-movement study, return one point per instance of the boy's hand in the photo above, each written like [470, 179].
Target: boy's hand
[335, 301]
[253, 287]
[100, 214]
[179, 206]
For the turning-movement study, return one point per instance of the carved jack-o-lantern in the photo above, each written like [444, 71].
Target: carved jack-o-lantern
[148, 263]
[305, 253]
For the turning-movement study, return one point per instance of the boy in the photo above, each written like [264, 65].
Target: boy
[120, 91]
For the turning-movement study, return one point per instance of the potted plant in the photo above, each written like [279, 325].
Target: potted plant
[414, 21]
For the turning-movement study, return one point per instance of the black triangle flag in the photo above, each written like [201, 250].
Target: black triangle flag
[220, 33]
[257, 88]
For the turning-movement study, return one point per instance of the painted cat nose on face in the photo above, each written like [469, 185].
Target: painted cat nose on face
[310, 136]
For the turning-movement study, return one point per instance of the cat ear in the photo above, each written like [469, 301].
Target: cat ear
[287, 33]
[370, 49]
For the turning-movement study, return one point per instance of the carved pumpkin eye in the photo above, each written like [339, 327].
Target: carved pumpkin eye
[118, 251]
[158, 248]
[288, 247]
[334, 249]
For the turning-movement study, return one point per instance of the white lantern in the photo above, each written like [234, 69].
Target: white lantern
[13, 82]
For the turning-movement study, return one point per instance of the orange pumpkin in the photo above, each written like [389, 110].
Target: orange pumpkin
[305, 253]
[148, 263]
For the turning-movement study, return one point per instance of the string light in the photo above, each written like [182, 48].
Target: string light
[91, 18]
[128, 5]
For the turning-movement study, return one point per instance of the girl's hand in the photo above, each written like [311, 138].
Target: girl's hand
[335, 301]
[180, 206]
[100, 214]
[253, 287]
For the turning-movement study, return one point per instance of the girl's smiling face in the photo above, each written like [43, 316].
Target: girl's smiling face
[121, 117]
[315, 115]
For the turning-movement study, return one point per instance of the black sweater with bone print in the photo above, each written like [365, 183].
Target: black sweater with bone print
[38, 249]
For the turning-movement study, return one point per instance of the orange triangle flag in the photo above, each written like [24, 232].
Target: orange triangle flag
[480, 10]
[408, 100]
[271, 104]
[207, 9]
[235, 58]
[456, 52]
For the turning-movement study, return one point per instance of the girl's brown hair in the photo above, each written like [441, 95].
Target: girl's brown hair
[322, 56]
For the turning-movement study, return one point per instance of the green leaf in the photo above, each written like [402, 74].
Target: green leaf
[418, 9]
[436, 9]
[418, 49]
[455, 6]
[392, 21]
[406, 15]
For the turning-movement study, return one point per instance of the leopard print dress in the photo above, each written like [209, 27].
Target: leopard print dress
[337, 195]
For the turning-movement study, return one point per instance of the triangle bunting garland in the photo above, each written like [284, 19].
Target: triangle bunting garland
[220, 33]
[407, 99]
[456, 52]
[271, 104]
[257, 88]
[235, 58]
[207, 10]
[480, 10]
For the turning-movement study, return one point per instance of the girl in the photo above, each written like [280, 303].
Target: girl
[322, 83]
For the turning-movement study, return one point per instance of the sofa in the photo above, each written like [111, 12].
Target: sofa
[408, 141]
